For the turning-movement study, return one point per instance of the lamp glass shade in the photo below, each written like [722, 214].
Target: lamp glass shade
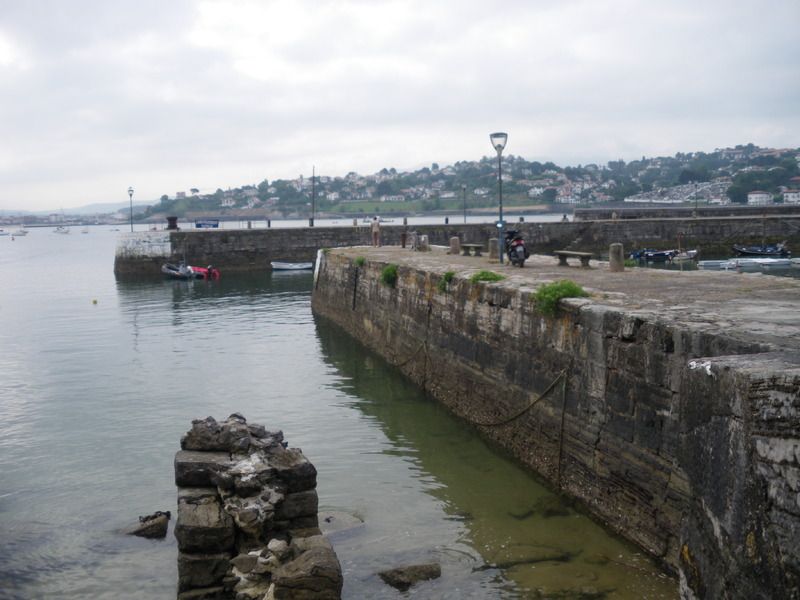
[498, 141]
[130, 191]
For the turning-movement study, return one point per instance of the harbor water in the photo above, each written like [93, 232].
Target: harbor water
[99, 378]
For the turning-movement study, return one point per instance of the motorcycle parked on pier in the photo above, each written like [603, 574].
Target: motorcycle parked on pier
[515, 248]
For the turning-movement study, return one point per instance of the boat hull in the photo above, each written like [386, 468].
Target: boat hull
[775, 250]
[285, 266]
[186, 272]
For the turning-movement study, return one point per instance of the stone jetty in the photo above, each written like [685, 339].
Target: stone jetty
[247, 524]
[667, 403]
[252, 250]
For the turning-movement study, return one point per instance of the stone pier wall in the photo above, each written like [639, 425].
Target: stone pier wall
[698, 466]
[245, 250]
[247, 524]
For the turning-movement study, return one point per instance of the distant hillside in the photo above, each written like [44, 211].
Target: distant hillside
[105, 208]
[724, 175]
[90, 209]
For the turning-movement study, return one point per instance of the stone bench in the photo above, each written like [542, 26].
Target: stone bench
[471, 249]
[563, 255]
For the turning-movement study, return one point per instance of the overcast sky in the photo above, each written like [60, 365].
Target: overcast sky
[99, 95]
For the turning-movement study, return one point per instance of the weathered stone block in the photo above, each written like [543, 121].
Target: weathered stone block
[203, 525]
[294, 469]
[197, 469]
[303, 522]
[206, 434]
[298, 504]
[314, 575]
[201, 570]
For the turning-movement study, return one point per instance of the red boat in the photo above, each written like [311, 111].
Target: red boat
[184, 272]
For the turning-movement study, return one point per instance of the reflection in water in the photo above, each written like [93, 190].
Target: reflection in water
[514, 527]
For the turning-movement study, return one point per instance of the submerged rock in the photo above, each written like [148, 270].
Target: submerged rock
[151, 526]
[403, 578]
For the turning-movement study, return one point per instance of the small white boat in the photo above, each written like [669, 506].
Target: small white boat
[61, 229]
[711, 265]
[3, 232]
[85, 230]
[287, 266]
[685, 256]
[745, 264]
[754, 264]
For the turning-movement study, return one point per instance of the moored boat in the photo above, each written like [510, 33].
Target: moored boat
[755, 264]
[287, 266]
[206, 224]
[745, 264]
[767, 250]
[650, 255]
[685, 256]
[185, 272]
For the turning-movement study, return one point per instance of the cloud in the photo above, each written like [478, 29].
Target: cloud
[97, 96]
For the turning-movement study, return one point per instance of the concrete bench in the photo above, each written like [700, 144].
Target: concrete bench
[468, 248]
[563, 255]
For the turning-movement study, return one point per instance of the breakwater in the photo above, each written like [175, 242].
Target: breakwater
[143, 253]
[678, 425]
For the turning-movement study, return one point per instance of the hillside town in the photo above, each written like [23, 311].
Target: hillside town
[744, 174]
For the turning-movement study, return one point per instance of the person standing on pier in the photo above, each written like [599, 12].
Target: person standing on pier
[376, 231]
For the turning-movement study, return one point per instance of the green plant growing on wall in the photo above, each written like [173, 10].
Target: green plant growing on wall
[629, 262]
[360, 261]
[444, 282]
[547, 296]
[486, 276]
[325, 251]
[389, 275]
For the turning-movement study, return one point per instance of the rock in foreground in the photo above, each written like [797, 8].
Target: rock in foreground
[247, 524]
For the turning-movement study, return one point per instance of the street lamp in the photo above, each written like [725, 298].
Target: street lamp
[464, 194]
[498, 143]
[130, 195]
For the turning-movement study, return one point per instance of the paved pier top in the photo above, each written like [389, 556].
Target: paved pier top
[751, 307]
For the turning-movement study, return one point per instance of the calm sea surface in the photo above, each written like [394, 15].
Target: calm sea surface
[99, 378]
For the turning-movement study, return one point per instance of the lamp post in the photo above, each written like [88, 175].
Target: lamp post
[498, 141]
[695, 199]
[130, 195]
[313, 195]
[464, 194]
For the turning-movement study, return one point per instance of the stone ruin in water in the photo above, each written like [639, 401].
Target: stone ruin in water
[247, 525]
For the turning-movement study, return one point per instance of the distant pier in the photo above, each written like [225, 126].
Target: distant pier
[242, 250]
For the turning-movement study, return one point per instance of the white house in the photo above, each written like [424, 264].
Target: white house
[759, 198]
[535, 191]
[791, 197]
